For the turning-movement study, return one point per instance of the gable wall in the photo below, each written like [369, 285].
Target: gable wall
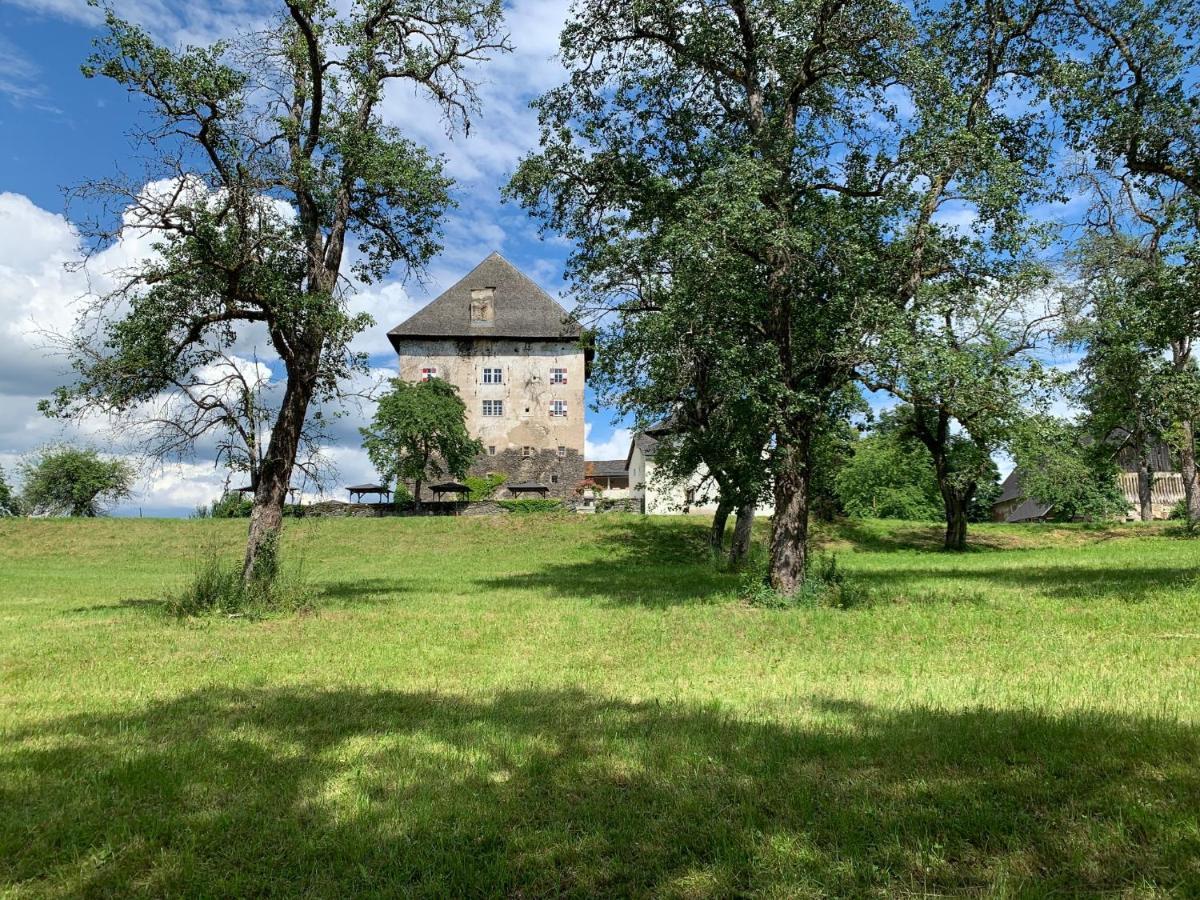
[526, 392]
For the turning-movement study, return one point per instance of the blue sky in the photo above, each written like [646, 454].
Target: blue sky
[58, 129]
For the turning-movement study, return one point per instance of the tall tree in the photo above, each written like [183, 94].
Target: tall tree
[270, 156]
[803, 150]
[1127, 80]
[965, 365]
[73, 481]
[419, 432]
[1136, 316]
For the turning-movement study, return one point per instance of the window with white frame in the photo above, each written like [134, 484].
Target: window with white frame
[428, 372]
[554, 479]
[558, 408]
[493, 376]
[562, 451]
[491, 450]
[527, 451]
[493, 407]
[558, 376]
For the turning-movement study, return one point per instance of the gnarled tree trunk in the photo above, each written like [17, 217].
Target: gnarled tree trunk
[266, 519]
[743, 529]
[789, 529]
[956, 503]
[716, 538]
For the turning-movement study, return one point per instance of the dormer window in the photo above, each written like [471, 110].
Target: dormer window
[483, 308]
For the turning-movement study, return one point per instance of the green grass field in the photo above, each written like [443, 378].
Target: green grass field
[556, 706]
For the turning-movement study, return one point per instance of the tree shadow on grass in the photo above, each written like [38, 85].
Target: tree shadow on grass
[647, 562]
[1132, 583]
[145, 605]
[291, 792]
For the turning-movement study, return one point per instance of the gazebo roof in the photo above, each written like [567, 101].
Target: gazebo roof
[368, 489]
[450, 487]
[527, 486]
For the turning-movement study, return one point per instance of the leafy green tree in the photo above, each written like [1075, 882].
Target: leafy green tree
[419, 433]
[269, 160]
[888, 477]
[1136, 315]
[1125, 85]
[1064, 469]
[793, 155]
[73, 481]
[966, 366]
[9, 502]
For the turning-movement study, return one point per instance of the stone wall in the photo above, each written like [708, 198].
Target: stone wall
[543, 467]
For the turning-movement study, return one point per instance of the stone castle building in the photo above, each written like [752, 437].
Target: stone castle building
[516, 358]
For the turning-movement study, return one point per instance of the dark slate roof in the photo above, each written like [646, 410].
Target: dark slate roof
[643, 442]
[368, 488]
[605, 468]
[1028, 511]
[1011, 488]
[522, 309]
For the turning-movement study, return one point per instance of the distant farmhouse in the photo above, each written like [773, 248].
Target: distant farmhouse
[1166, 490]
[515, 356]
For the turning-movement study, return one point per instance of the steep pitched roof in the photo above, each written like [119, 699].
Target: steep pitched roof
[605, 468]
[522, 309]
[643, 442]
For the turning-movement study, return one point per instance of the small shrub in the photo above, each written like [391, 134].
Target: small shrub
[825, 585]
[232, 506]
[527, 505]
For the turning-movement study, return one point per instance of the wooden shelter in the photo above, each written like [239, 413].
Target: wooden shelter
[383, 491]
[528, 487]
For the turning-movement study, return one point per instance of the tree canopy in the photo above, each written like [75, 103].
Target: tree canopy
[73, 481]
[419, 433]
[794, 158]
[272, 178]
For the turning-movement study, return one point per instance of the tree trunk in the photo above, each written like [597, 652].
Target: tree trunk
[716, 538]
[266, 519]
[1145, 476]
[1187, 468]
[956, 519]
[743, 529]
[789, 529]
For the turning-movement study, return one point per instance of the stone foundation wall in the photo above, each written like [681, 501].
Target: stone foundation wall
[540, 468]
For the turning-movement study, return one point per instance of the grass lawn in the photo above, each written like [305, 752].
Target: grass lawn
[547, 706]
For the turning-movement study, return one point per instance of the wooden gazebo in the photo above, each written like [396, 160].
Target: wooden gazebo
[381, 490]
[449, 487]
[529, 487]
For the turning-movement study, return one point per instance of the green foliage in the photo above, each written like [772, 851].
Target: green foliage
[73, 481]
[10, 504]
[484, 487]
[232, 506]
[419, 433]
[1062, 468]
[530, 505]
[754, 190]
[889, 477]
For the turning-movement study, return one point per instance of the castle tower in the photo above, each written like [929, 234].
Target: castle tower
[516, 358]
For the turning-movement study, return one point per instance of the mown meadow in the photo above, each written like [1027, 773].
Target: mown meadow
[582, 706]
